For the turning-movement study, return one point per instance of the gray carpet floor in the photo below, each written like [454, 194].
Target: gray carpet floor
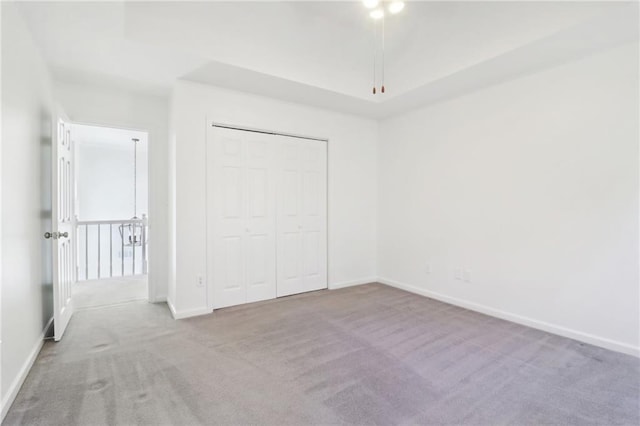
[363, 355]
[109, 291]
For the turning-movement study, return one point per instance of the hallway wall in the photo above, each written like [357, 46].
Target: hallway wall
[105, 173]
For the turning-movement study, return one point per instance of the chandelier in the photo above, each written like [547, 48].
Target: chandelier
[378, 13]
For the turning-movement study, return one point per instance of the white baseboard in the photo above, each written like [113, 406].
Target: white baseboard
[187, 313]
[203, 311]
[171, 308]
[352, 283]
[17, 383]
[529, 322]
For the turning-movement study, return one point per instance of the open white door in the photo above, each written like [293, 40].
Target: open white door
[62, 234]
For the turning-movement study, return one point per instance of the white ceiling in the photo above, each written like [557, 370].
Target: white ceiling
[320, 53]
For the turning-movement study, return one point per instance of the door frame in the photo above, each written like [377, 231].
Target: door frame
[213, 123]
[152, 290]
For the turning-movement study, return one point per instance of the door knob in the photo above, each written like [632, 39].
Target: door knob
[56, 235]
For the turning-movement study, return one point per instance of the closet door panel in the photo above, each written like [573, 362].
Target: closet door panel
[260, 217]
[226, 217]
[311, 254]
[302, 259]
[291, 256]
[289, 228]
[313, 220]
[231, 255]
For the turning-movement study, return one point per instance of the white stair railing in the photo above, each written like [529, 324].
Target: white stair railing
[103, 253]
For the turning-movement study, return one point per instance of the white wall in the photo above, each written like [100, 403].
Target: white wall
[352, 181]
[532, 187]
[26, 201]
[104, 177]
[123, 109]
[2, 409]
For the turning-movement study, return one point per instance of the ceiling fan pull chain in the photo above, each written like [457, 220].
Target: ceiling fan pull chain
[378, 14]
[382, 88]
[375, 39]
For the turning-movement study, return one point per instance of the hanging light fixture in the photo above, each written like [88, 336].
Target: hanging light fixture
[131, 233]
[378, 15]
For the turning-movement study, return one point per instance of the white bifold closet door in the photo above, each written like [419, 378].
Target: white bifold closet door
[302, 216]
[266, 216]
[241, 216]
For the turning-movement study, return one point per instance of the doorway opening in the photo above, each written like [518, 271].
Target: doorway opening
[112, 215]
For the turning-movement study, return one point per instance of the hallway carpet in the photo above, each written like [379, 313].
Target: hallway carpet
[109, 291]
[362, 355]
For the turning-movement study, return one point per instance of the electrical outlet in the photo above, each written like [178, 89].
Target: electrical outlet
[466, 275]
[457, 273]
[428, 268]
[199, 281]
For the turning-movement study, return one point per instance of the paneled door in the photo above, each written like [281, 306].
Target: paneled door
[241, 216]
[302, 216]
[62, 235]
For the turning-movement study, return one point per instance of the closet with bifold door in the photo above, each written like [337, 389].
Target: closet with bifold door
[266, 215]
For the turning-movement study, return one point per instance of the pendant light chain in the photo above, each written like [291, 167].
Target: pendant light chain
[135, 177]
